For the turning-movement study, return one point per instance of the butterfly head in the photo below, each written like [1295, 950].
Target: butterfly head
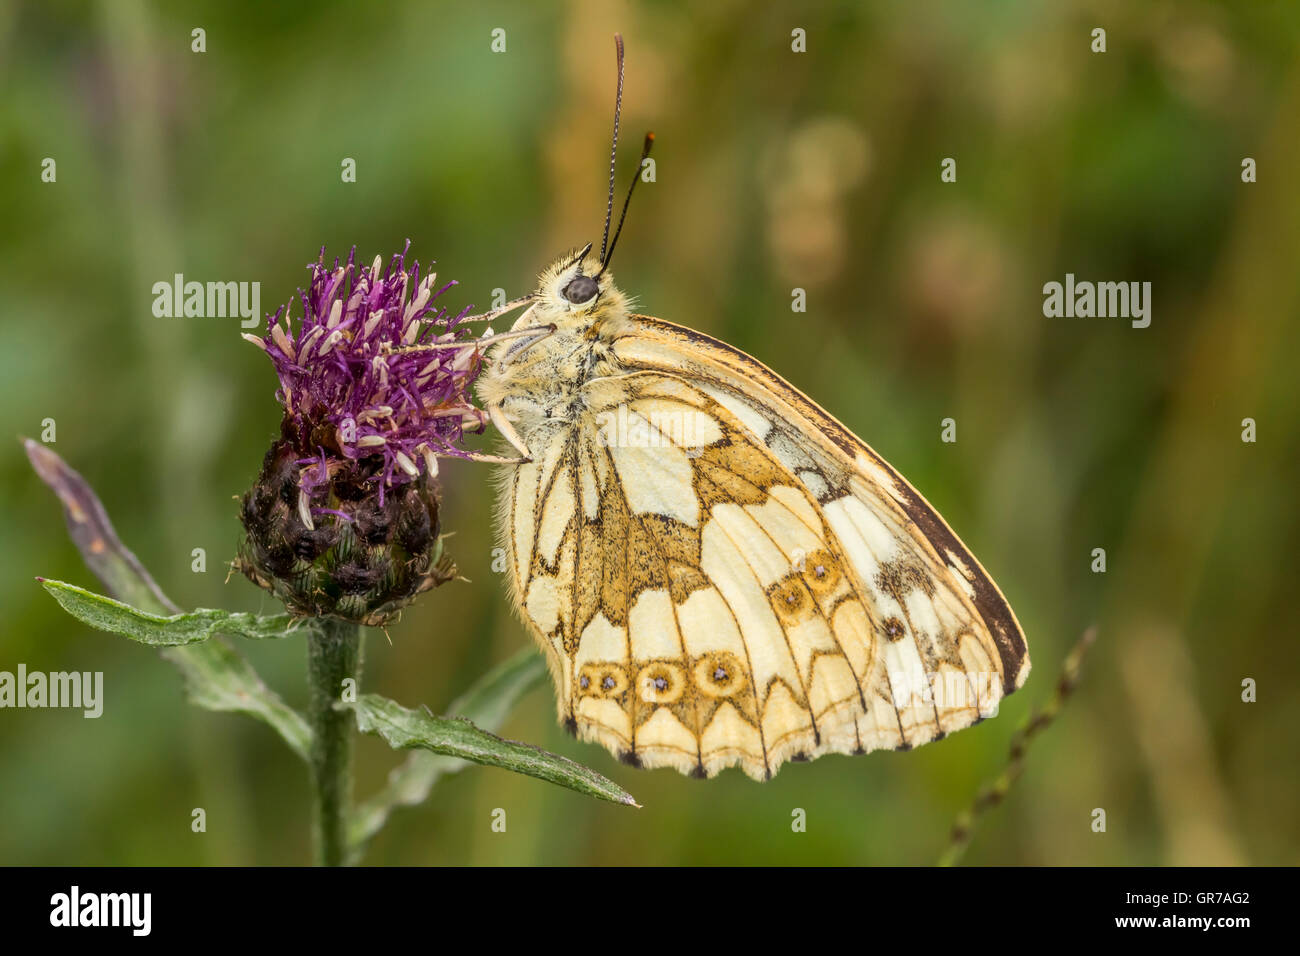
[574, 291]
[575, 283]
[576, 308]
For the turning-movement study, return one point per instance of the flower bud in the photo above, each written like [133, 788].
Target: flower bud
[361, 559]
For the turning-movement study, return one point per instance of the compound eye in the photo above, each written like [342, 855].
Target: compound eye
[580, 289]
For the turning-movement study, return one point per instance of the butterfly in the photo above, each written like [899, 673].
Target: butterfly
[718, 572]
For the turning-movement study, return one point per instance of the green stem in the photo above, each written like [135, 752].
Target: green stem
[333, 656]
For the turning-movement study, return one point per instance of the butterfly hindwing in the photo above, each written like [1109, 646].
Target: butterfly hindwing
[712, 589]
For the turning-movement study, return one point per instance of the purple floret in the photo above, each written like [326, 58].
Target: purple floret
[348, 393]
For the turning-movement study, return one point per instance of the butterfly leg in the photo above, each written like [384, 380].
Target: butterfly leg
[498, 312]
[491, 459]
[507, 430]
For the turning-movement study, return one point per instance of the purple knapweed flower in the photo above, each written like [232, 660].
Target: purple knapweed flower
[350, 385]
[343, 519]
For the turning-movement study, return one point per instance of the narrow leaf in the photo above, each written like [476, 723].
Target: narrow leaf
[191, 627]
[93, 534]
[457, 737]
[216, 676]
[487, 703]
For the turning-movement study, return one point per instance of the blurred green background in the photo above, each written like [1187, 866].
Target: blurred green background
[775, 170]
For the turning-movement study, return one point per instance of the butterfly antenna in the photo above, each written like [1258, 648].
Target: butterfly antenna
[636, 178]
[613, 149]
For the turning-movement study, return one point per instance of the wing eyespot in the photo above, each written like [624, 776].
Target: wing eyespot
[821, 573]
[604, 680]
[719, 674]
[661, 683]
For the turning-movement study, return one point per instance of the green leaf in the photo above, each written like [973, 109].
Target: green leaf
[457, 737]
[487, 703]
[216, 675]
[191, 627]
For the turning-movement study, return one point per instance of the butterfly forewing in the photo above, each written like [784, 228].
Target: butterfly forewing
[836, 465]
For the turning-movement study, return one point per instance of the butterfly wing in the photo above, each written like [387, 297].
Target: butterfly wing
[717, 583]
[836, 465]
